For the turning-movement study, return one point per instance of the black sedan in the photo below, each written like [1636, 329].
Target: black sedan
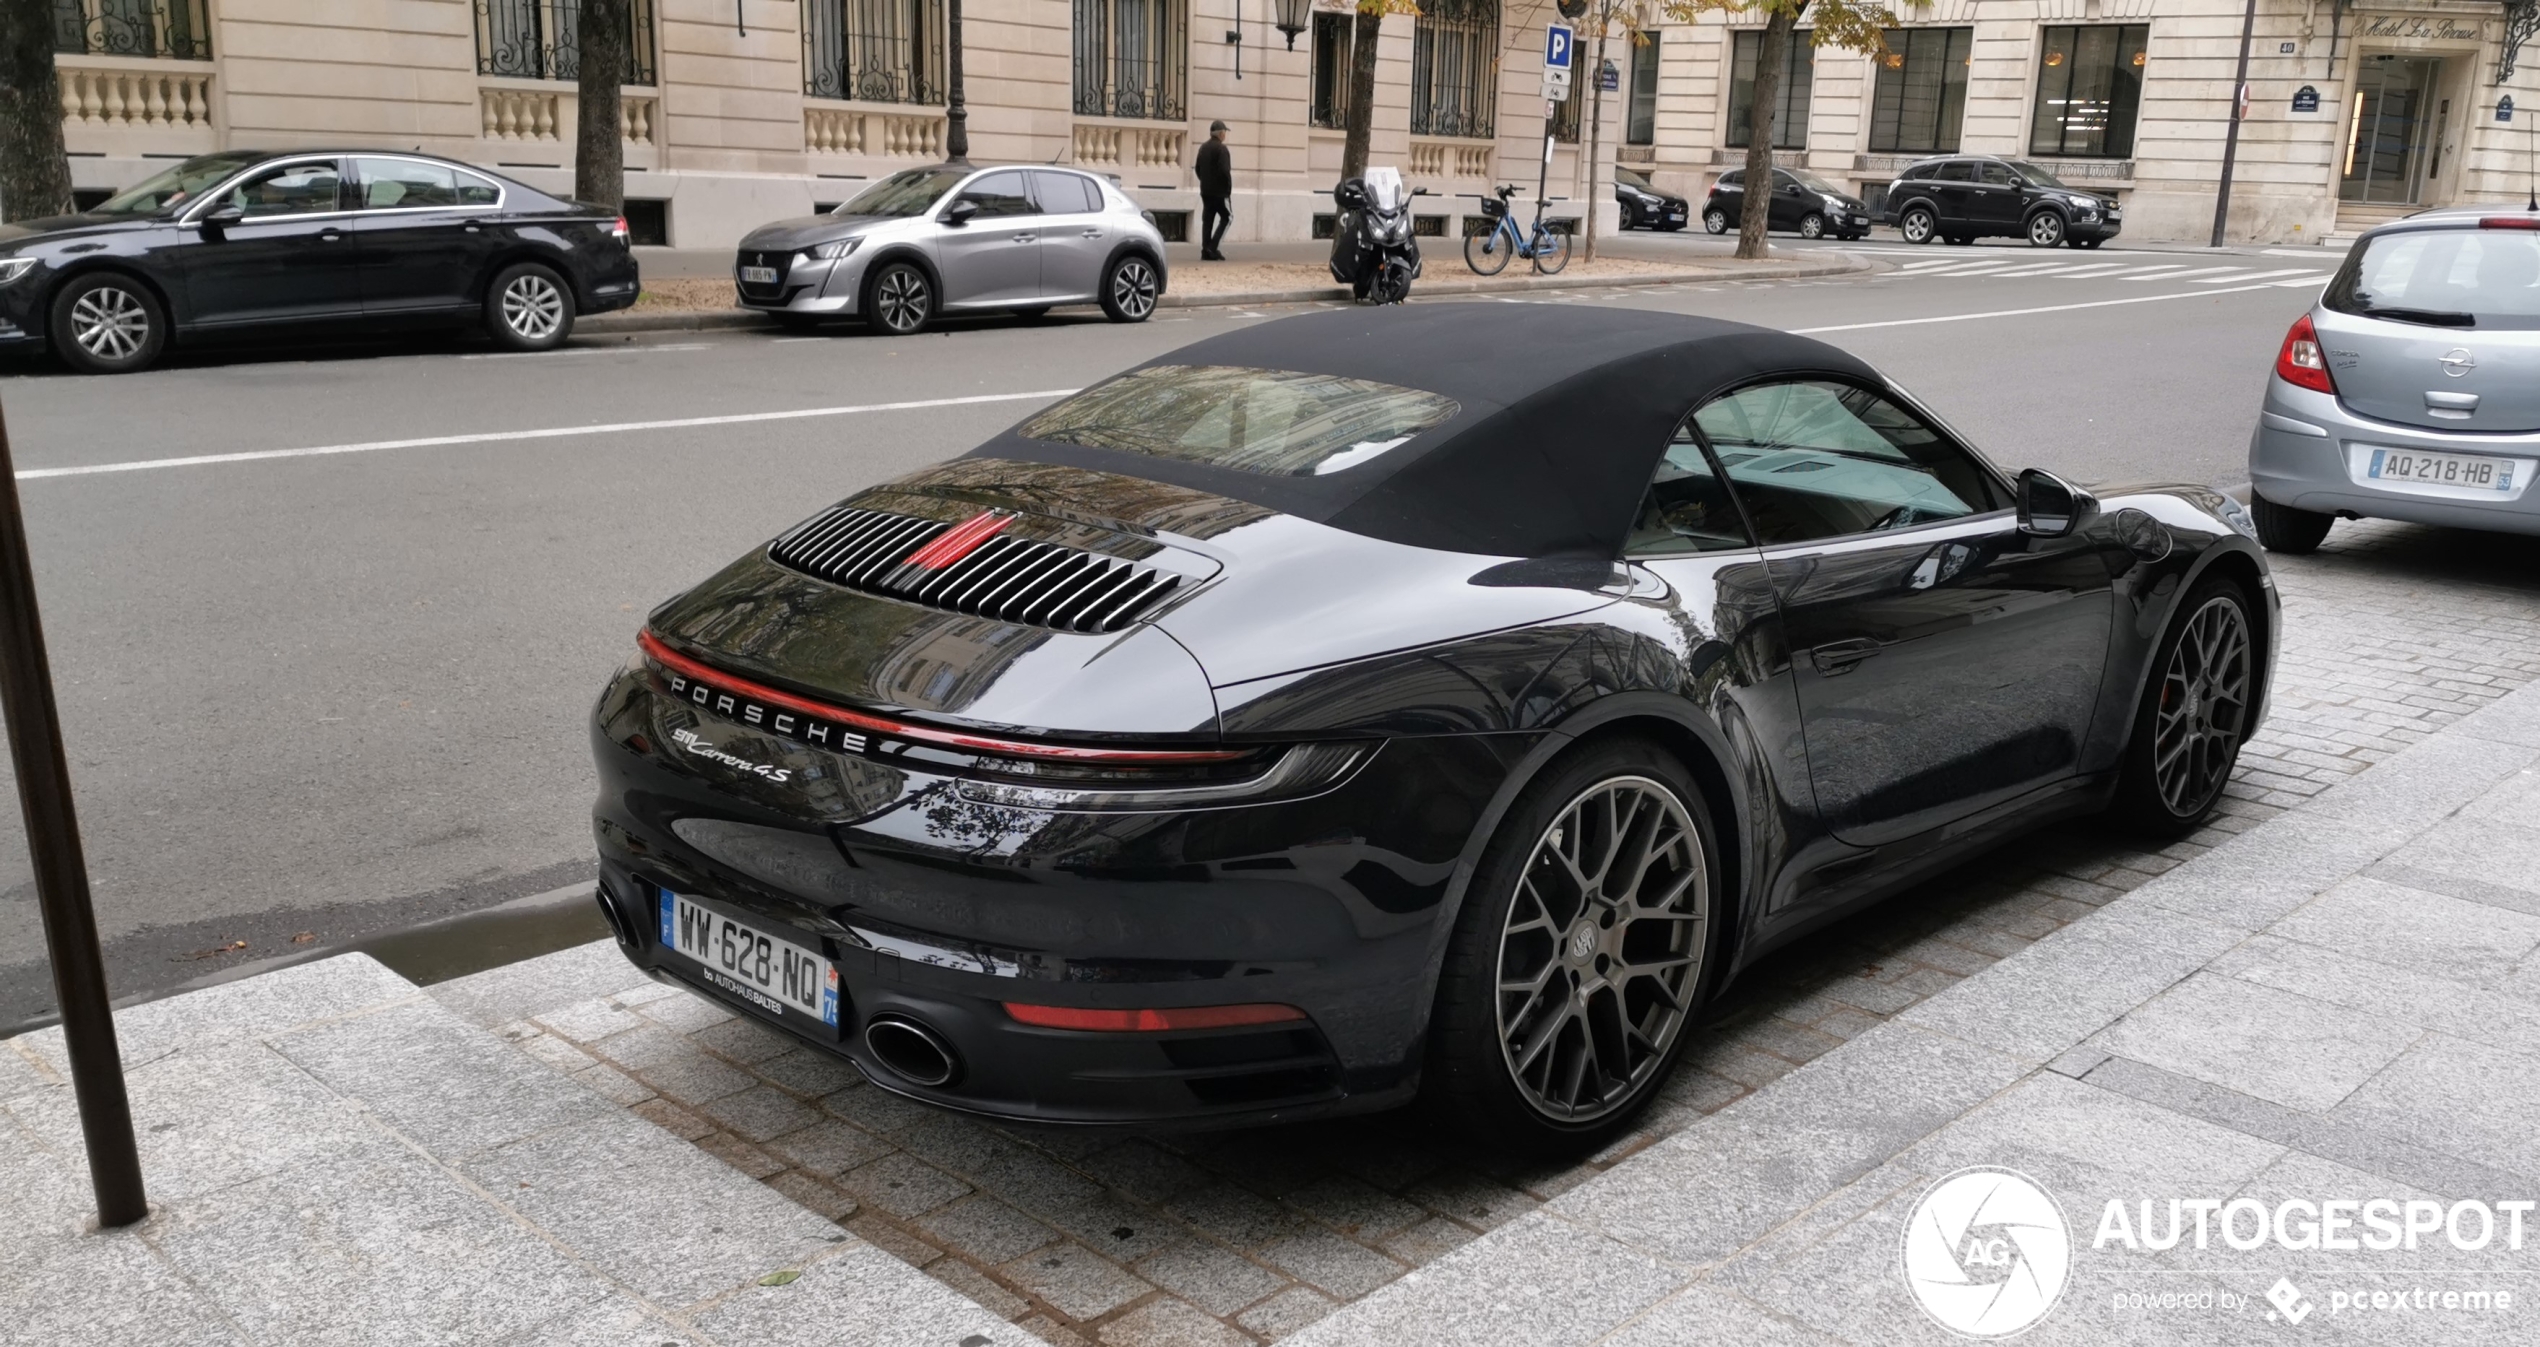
[249, 242]
[1802, 203]
[1335, 710]
[1643, 206]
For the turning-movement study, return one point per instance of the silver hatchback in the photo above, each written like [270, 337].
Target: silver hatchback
[953, 238]
[2411, 390]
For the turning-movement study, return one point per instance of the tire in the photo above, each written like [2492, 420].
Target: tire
[1393, 282]
[2046, 230]
[2092, 243]
[1918, 225]
[2281, 528]
[1525, 1071]
[1560, 257]
[108, 323]
[1484, 255]
[1130, 287]
[1812, 226]
[529, 308]
[2194, 714]
[899, 299]
[1715, 221]
[1959, 240]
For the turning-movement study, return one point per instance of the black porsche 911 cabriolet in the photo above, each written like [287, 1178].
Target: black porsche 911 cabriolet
[1336, 710]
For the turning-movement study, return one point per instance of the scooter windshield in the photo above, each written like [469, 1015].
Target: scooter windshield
[1384, 189]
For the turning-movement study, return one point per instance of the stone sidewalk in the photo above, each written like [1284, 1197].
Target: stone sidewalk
[332, 1157]
[2342, 1004]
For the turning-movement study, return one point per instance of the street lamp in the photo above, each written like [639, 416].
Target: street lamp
[1291, 19]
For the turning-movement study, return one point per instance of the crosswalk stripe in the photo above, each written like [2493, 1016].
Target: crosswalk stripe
[2034, 269]
[2255, 276]
[2165, 270]
[2183, 275]
[2096, 269]
[2312, 278]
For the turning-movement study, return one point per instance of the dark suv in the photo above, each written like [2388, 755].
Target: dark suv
[1963, 198]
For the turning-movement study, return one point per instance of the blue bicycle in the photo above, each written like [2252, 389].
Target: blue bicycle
[1487, 253]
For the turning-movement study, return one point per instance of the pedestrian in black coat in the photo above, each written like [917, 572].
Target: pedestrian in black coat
[1216, 170]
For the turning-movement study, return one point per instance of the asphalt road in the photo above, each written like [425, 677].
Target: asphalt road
[325, 695]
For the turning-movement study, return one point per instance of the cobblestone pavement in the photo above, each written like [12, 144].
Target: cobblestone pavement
[2391, 632]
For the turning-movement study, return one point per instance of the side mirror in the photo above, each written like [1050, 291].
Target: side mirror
[222, 218]
[2051, 507]
[959, 212]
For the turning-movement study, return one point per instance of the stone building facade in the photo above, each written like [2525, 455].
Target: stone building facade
[740, 111]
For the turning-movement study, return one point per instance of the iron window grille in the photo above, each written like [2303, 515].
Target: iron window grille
[1130, 58]
[1333, 34]
[1790, 108]
[541, 39]
[1455, 69]
[1918, 102]
[1640, 126]
[876, 51]
[1565, 116]
[2089, 87]
[179, 30]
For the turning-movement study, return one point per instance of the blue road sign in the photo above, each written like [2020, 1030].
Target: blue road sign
[2505, 108]
[1556, 46]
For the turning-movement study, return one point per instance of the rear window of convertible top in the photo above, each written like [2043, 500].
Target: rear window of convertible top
[1276, 422]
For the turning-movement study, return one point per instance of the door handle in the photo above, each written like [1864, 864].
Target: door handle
[475, 226]
[1093, 233]
[2462, 401]
[1027, 238]
[1836, 658]
[330, 234]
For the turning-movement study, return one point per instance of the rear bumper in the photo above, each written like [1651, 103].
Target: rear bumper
[2310, 453]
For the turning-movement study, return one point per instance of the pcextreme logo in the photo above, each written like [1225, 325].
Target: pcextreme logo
[1987, 1252]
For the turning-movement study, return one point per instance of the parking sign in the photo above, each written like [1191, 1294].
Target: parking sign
[1556, 46]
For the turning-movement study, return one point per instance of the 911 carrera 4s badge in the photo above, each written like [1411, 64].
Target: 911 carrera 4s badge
[696, 743]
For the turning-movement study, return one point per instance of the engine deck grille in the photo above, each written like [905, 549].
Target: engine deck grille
[1012, 579]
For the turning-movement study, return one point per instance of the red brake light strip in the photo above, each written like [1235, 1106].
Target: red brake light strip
[960, 541]
[1151, 1021]
[668, 658]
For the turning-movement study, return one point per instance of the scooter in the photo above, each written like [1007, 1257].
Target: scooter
[1373, 251]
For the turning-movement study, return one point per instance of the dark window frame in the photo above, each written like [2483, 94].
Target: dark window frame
[874, 51]
[168, 30]
[2080, 53]
[1911, 112]
[1640, 118]
[1799, 77]
[1455, 69]
[1328, 60]
[1132, 59]
[537, 40]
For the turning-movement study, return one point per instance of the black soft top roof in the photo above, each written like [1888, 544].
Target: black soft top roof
[1564, 412]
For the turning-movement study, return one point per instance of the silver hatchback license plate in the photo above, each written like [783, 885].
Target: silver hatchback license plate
[759, 275]
[2416, 466]
[768, 971]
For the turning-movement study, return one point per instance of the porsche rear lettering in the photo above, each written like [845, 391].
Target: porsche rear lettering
[758, 715]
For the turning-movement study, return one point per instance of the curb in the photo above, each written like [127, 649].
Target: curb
[714, 320]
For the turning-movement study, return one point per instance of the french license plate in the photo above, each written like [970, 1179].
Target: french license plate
[759, 275]
[2417, 466]
[768, 971]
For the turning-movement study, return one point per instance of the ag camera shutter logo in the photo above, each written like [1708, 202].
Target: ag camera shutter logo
[1987, 1252]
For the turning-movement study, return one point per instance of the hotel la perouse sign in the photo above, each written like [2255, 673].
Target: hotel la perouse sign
[2415, 26]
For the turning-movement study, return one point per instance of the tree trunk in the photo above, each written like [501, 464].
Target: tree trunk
[599, 149]
[1362, 87]
[1596, 124]
[35, 175]
[1755, 212]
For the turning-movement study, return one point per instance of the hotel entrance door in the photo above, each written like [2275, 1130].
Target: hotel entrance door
[2392, 141]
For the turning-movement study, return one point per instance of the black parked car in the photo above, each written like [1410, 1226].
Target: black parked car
[1963, 198]
[1803, 203]
[1335, 709]
[247, 241]
[1643, 205]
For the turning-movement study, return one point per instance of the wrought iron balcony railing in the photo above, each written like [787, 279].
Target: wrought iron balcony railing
[541, 39]
[179, 30]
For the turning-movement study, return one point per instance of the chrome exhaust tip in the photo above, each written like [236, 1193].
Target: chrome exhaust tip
[912, 1051]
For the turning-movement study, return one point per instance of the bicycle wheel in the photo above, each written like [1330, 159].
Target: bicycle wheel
[1552, 251]
[1486, 254]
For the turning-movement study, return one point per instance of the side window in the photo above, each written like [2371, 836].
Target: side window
[1065, 194]
[1000, 195]
[1814, 459]
[1735, 177]
[1998, 175]
[476, 191]
[1688, 508]
[293, 189]
[1956, 170]
[404, 184]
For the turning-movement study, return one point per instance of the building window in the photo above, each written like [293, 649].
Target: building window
[1790, 110]
[1129, 58]
[1565, 117]
[1640, 126]
[2089, 85]
[1455, 69]
[540, 39]
[174, 29]
[1920, 97]
[878, 51]
[1331, 69]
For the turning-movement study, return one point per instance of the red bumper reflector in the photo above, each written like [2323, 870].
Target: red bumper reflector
[959, 541]
[1151, 1021]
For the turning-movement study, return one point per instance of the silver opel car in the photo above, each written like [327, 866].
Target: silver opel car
[2411, 390]
[954, 238]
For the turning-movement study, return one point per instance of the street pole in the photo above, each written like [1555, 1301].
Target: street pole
[2231, 137]
[1596, 123]
[61, 873]
[956, 116]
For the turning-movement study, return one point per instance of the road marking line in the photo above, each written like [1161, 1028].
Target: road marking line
[2023, 313]
[2183, 275]
[2316, 254]
[547, 433]
[2314, 278]
[629, 349]
[2171, 269]
[2257, 276]
[2035, 269]
[2099, 270]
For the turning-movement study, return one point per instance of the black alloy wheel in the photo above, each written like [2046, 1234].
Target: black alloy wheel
[2046, 229]
[1918, 225]
[1129, 289]
[1715, 221]
[2281, 528]
[2195, 713]
[528, 308]
[1812, 226]
[108, 323]
[899, 299]
[1583, 950]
